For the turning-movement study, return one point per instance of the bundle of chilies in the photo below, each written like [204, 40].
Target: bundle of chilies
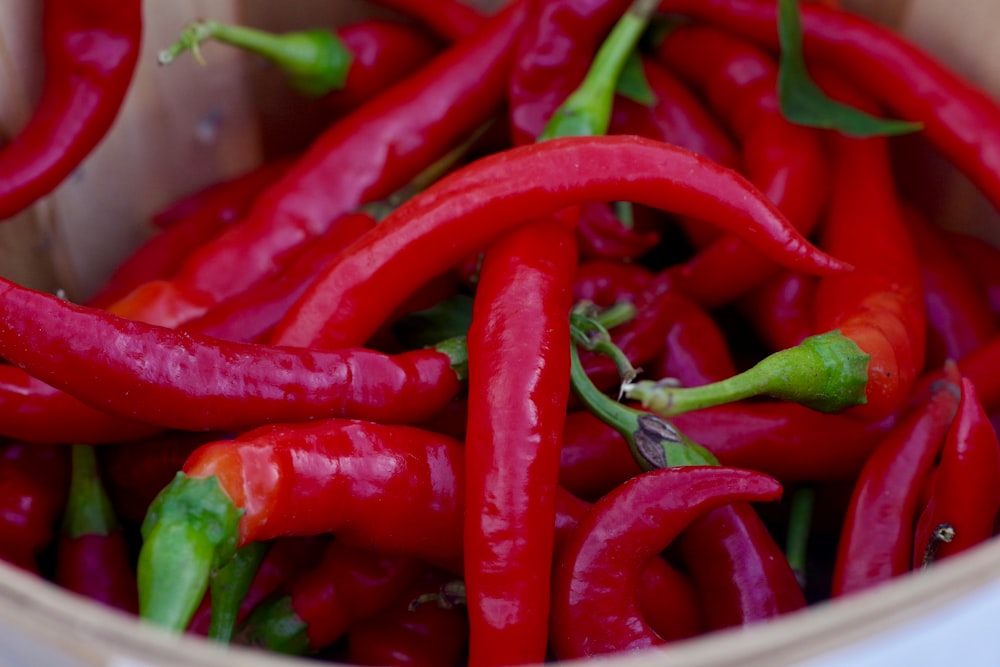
[515, 361]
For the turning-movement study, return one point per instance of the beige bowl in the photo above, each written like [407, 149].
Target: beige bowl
[185, 126]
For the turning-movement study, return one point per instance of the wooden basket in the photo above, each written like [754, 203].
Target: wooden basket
[185, 126]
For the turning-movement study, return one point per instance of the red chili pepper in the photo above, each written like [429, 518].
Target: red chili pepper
[668, 599]
[90, 49]
[93, 558]
[965, 499]
[788, 441]
[33, 484]
[786, 161]
[432, 230]
[595, 595]
[780, 309]
[319, 606]
[416, 121]
[876, 542]
[414, 631]
[286, 558]
[594, 458]
[250, 316]
[32, 411]
[451, 19]
[605, 282]
[224, 386]
[518, 390]
[959, 320]
[186, 224]
[391, 489]
[960, 119]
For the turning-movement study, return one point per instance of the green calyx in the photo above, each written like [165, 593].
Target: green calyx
[457, 351]
[190, 531]
[315, 62]
[276, 626]
[827, 372]
[88, 508]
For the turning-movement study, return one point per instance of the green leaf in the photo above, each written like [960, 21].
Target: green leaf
[632, 82]
[803, 102]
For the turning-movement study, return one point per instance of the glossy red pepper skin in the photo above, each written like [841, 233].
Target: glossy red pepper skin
[594, 458]
[224, 386]
[32, 411]
[965, 495]
[386, 488]
[960, 119]
[416, 122]
[606, 282]
[959, 319]
[319, 605]
[432, 231]
[695, 350]
[595, 608]
[669, 602]
[250, 316]
[429, 635]
[518, 344]
[33, 486]
[287, 558]
[786, 161]
[90, 49]
[451, 19]
[876, 541]
[186, 224]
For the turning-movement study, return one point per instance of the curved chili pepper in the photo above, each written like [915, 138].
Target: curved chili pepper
[186, 224]
[360, 288]
[786, 161]
[392, 489]
[90, 48]
[961, 120]
[412, 632]
[873, 318]
[780, 309]
[595, 608]
[33, 485]
[958, 316]
[518, 390]
[965, 499]
[286, 558]
[92, 557]
[414, 121]
[876, 542]
[186, 381]
[32, 411]
[740, 572]
[667, 598]
[319, 606]
[345, 66]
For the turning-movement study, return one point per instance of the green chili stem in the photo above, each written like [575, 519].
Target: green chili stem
[587, 111]
[88, 508]
[797, 540]
[277, 627]
[827, 372]
[230, 585]
[315, 62]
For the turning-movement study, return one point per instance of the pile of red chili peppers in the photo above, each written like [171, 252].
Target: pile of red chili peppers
[563, 337]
